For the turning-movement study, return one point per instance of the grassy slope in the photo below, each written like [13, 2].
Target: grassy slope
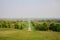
[25, 35]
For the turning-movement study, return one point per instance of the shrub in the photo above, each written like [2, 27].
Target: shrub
[21, 27]
[0, 25]
[58, 27]
[54, 27]
[42, 27]
[51, 27]
[4, 26]
[16, 26]
[37, 26]
[32, 23]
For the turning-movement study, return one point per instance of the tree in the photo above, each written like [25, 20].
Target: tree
[54, 27]
[42, 27]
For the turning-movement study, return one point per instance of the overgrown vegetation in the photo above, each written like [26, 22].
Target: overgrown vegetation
[41, 25]
[54, 27]
[46, 25]
[43, 30]
[13, 24]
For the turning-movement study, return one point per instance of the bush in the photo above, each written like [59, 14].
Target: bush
[16, 26]
[21, 27]
[4, 26]
[32, 23]
[58, 27]
[54, 27]
[51, 27]
[42, 27]
[37, 26]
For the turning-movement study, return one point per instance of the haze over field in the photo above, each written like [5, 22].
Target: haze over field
[29, 8]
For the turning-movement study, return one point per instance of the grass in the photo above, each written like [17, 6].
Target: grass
[25, 35]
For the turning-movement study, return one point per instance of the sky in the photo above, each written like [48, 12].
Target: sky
[29, 8]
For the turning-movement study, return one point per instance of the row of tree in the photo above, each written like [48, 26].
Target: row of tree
[43, 26]
[46, 26]
[13, 24]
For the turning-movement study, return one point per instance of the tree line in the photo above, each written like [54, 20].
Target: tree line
[46, 25]
[13, 24]
[37, 25]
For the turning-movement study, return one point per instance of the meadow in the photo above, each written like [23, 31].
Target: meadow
[10, 34]
[40, 30]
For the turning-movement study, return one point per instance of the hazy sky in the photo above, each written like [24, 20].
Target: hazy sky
[29, 8]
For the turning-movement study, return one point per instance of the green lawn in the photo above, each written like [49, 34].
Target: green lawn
[25, 35]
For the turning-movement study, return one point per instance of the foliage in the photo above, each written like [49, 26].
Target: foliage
[36, 24]
[42, 27]
[54, 27]
[13, 24]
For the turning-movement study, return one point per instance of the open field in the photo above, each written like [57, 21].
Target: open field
[40, 30]
[25, 35]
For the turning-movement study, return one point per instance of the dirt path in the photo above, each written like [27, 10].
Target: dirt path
[29, 27]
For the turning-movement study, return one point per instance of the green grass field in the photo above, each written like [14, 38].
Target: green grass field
[13, 34]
